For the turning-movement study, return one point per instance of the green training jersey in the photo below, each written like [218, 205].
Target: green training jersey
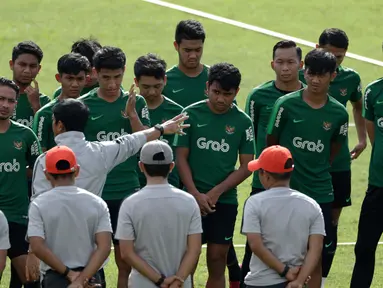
[42, 126]
[373, 111]
[345, 87]
[308, 133]
[23, 113]
[19, 149]
[107, 121]
[183, 89]
[259, 105]
[166, 111]
[84, 91]
[214, 142]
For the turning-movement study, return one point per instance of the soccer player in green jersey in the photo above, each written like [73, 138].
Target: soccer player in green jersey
[73, 71]
[370, 229]
[346, 87]
[25, 65]
[113, 115]
[313, 126]
[87, 48]
[20, 149]
[149, 72]
[206, 160]
[287, 60]
[186, 82]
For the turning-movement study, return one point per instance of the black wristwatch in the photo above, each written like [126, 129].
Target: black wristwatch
[65, 274]
[285, 271]
[160, 128]
[160, 281]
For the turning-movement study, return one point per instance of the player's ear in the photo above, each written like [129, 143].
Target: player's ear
[11, 64]
[207, 85]
[136, 81]
[301, 64]
[165, 80]
[236, 92]
[333, 75]
[175, 44]
[77, 171]
[171, 167]
[94, 72]
[39, 68]
[58, 77]
[272, 65]
[317, 46]
[141, 166]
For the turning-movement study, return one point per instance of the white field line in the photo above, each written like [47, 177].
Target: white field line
[254, 28]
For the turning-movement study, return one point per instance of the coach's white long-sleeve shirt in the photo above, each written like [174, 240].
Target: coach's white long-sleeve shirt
[96, 160]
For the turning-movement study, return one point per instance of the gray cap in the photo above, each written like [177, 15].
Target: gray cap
[156, 153]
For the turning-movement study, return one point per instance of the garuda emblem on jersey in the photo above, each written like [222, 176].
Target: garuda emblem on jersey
[326, 126]
[229, 129]
[18, 145]
[343, 92]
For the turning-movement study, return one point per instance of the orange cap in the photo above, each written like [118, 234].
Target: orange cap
[59, 153]
[273, 159]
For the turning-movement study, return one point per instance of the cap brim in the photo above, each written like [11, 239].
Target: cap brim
[254, 165]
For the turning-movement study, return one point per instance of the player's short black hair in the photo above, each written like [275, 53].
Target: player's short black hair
[73, 113]
[227, 75]
[150, 65]
[62, 165]
[73, 63]
[109, 58]
[285, 44]
[27, 47]
[189, 30]
[320, 62]
[157, 170]
[87, 48]
[334, 37]
[9, 83]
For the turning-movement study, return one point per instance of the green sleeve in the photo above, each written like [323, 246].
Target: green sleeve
[34, 149]
[183, 140]
[142, 111]
[278, 118]
[251, 109]
[368, 105]
[42, 127]
[44, 100]
[357, 93]
[57, 93]
[247, 145]
[342, 131]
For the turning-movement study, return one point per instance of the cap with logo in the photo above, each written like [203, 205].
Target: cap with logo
[60, 160]
[156, 153]
[274, 159]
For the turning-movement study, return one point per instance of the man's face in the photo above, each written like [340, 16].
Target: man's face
[150, 87]
[318, 84]
[25, 68]
[220, 99]
[189, 52]
[72, 84]
[286, 64]
[339, 53]
[110, 81]
[8, 101]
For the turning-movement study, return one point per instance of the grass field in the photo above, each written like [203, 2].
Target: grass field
[138, 28]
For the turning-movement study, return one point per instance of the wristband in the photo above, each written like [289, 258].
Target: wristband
[66, 271]
[160, 281]
[160, 128]
[285, 271]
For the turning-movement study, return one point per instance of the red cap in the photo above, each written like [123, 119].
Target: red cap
[273, 159]
[59, 153]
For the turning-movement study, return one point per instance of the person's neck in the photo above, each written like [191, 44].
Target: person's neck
[279, 184]
[156, 180]
[315, 101]
[63, 182]
[214, 110]
[22, 86]
[291, 86]
[155, 103]
[63, 96]
[4, 125]
[191, 72]
[110, 99]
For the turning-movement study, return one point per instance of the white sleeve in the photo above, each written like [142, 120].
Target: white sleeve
[251, 218]
[35, 223]
[4, 233]
[125, 227]
[196, 222]
[119, 150]
[317, 224]
[104, 224]
[40, 184]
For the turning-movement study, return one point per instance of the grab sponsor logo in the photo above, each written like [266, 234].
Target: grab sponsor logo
[110, 136]
[203, 143]
[308, 145]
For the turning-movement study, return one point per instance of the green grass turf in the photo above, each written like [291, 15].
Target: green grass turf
[138, 28]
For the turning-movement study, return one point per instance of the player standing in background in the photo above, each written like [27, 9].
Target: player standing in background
[149, 72]
[206, 159]
[109, 120]
[370, 228]
[287, 60]
[4, 242]
[73, 71]
[25, 65]
[87, 48]
[346, 87]
[20, 148]
[186, 82]
[313, 126]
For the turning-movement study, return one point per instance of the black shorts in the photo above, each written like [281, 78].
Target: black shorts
[114, 209]
[341, 183]
[218, 227]
[17, 234]
[329, 244]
